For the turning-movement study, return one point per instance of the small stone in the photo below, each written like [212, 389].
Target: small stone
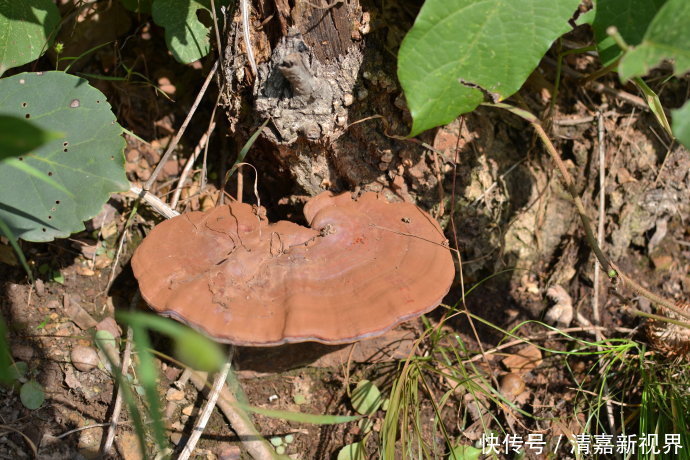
[188, 410]
[133, 155]
[128, 444]
[84, 271]
[176, 438]
[89, 442]
[40, 287]
[512, 385]
[165, 85]
[53, 304]
[229, 452]
[84, 358]
[22, 352]
[109, 324]
[171, 168]
[174, 394]
[662, 262]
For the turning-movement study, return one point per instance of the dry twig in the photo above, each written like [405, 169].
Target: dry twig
[126, 358]
[208, 408]
[180, 132]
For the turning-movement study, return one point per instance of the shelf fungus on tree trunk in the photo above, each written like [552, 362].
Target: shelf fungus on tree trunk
[361, 267]
[302, 95]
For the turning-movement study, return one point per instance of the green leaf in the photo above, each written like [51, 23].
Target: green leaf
[186, 36]
[315, 419]
[667, 37]
[18, 136]
[18, 370]
[631, 18]
[459, 48]
[366, 398]
[463, 452]
[681, 124]
[49, 192]
[7, 374]
[191, 347]
[32, 395]
[26, 29]
[354, 451]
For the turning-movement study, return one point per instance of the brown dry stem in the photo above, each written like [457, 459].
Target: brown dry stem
[612, 271]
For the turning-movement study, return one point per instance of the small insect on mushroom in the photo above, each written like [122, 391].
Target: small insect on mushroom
[223, 272]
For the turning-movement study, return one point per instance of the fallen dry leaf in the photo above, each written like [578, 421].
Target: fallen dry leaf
[524, 361]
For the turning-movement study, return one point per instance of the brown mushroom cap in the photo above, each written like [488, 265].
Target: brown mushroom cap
[364, 266]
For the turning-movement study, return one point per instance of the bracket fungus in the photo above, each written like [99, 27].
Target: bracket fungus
[363, 266]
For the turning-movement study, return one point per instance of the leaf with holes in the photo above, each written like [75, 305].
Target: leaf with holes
[26, 29]
[49, 192]
[187, 37]
[19, 136]
[667, 37]
[458, 50]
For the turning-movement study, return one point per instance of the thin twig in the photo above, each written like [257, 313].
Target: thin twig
[217, 31]
[190, 163]
[244, 9]
[241, 424]
[570, 185]
[600, 225]
[597, 271]
[116, 260]
[82, 428]
[156, 203]
[126, 358]
[27, 439]
[208, 408]
[180, 132]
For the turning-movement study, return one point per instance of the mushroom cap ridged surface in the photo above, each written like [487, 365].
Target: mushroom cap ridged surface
[362, 267]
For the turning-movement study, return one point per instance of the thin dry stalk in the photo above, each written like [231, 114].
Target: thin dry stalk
[597, 271]
[126, 359]
[244, 9]
[190, 163]
[208, 408]
[183, 128]
[252, 441]
[156, 203]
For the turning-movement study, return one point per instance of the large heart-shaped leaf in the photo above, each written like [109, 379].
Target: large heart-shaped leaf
[19, 136]
[459, 48]
[667, 37]
[26, 28]
[631, 18]
[49, 192]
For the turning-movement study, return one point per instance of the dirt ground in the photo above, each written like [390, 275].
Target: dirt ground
[487, 181]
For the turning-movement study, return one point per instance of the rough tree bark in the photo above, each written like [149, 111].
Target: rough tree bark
[321, 79]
